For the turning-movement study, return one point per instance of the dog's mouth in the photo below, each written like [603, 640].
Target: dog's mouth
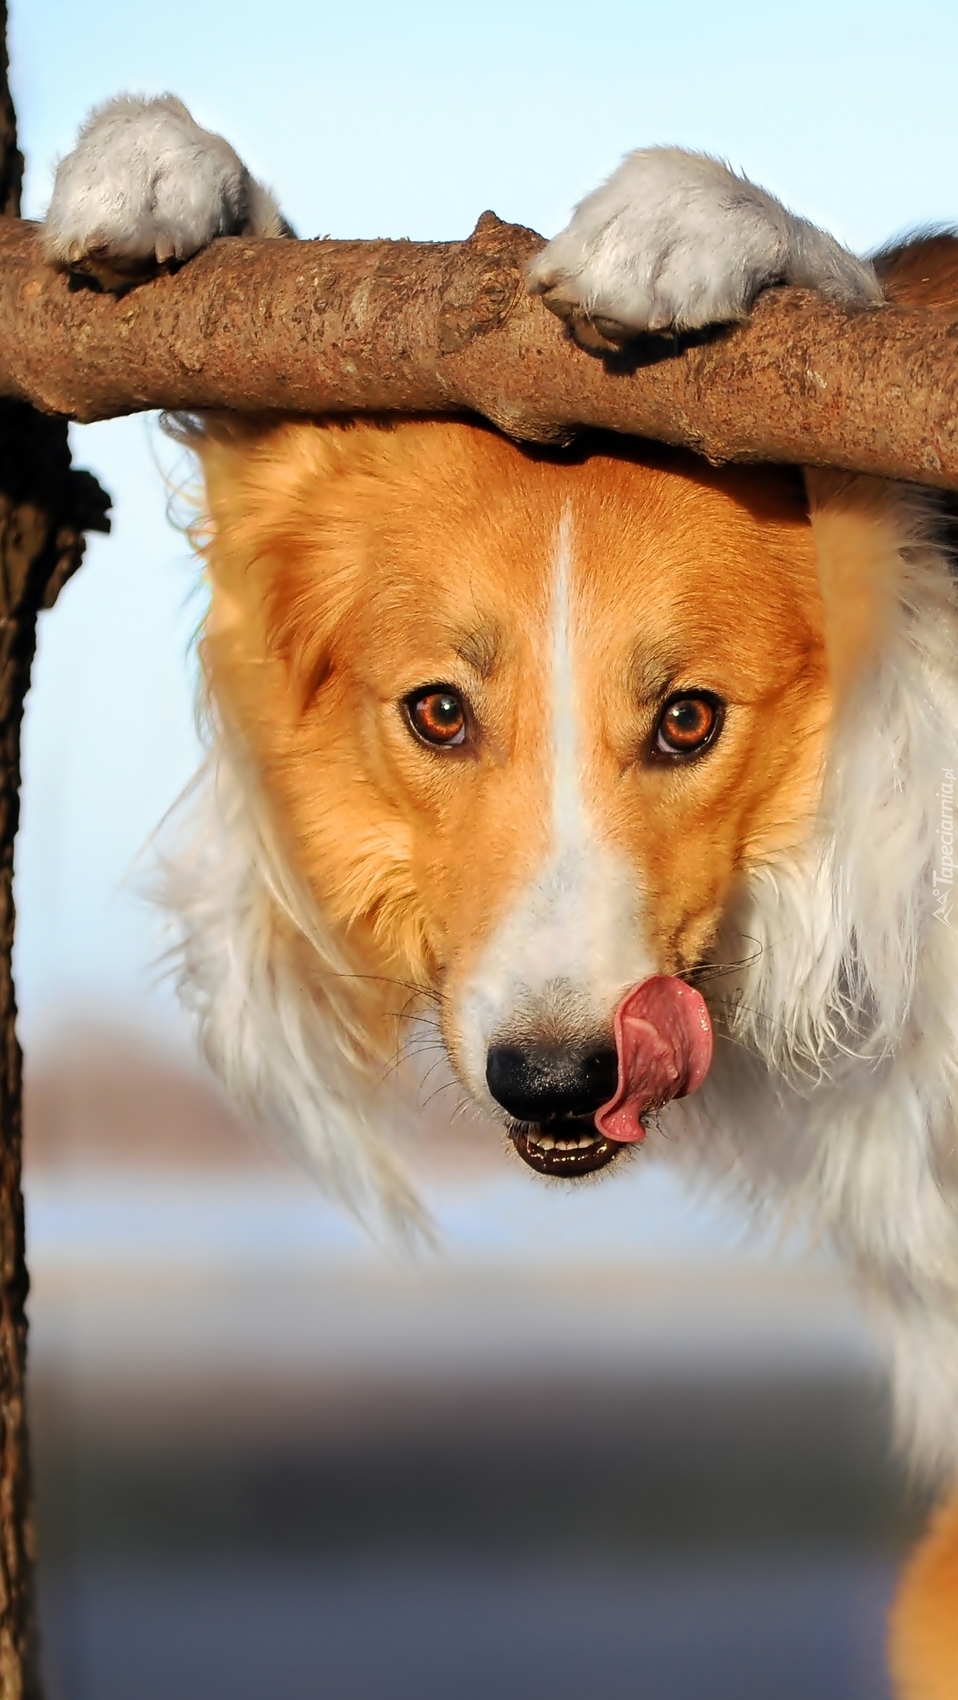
[566, 1146]
[663, 1042]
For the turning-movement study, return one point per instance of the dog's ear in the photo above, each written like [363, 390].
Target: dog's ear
[282, 556]
[850, 950]
[290, 1019]
[857, 524]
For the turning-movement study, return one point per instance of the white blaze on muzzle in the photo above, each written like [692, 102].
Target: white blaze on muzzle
[558, 963]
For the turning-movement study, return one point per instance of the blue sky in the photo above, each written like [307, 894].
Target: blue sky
[392, 120]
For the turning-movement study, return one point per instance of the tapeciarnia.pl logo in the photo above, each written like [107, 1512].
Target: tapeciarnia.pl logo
[944, 876]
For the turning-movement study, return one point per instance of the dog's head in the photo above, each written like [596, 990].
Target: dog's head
[520, 725]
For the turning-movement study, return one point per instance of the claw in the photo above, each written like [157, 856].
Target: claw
[596, 332]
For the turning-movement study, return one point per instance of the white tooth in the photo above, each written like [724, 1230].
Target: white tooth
[545, 1142]
[585, 1140]
[565, 1144]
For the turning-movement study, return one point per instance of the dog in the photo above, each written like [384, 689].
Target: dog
[624, 782]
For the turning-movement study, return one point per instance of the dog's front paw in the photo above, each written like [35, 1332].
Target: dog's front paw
[145, 186]
[675, 241]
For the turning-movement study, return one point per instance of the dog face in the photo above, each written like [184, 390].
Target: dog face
[521, 722]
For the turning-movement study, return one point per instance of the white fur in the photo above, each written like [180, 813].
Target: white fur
[146, 183]
[676, 241]
[833, 1094]
[570, 947]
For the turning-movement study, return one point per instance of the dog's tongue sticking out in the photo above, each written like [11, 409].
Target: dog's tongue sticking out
[663, 1037]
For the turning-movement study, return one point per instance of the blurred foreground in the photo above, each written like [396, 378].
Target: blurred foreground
[597, 1447]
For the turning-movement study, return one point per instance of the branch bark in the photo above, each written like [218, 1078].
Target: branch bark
[45, 506]
[342, 327]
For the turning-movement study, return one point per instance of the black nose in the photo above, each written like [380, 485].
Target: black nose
[535, 1082]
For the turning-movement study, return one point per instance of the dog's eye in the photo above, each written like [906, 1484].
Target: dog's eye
[437, 716]
[687, 725]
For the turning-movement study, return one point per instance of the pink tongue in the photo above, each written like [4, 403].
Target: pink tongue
[663, 1036]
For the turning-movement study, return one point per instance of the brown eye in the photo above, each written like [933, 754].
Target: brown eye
[688, 724]
[437, 716]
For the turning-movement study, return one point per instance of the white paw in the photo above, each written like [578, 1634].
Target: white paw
[676, 241]
[144, 186]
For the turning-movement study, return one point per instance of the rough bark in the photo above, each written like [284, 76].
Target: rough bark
[449, 327]
[45, 506]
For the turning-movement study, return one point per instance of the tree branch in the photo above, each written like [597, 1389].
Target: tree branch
[344, 327]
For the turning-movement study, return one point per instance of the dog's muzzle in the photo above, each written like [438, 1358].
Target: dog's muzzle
[551, 1094]
[572, 1112]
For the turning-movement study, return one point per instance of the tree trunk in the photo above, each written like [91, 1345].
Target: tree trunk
[45, 507]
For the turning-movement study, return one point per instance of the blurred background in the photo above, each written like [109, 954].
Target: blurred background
[605, 1443]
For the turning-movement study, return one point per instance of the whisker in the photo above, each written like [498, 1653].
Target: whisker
[447, 1086]
[431, 1070]
[713, 970]
[427, 992]
[414, 1047]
